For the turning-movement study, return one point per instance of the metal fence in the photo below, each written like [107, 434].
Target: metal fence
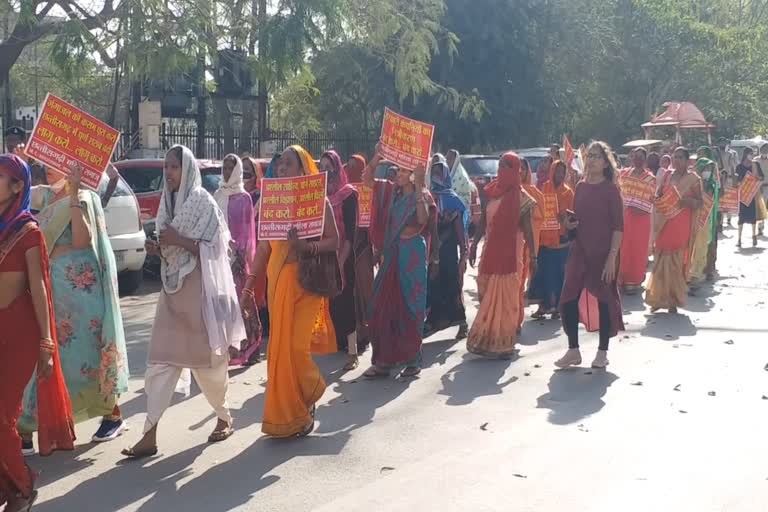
[315, 142]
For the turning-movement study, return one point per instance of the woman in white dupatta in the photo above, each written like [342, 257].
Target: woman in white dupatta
[198, 315]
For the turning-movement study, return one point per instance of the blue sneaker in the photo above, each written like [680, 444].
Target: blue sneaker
[109, 430]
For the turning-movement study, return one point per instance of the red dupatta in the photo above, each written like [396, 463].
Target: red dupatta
[500, 253]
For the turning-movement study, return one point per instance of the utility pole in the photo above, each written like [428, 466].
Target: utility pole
[201, 109]
[263, 97]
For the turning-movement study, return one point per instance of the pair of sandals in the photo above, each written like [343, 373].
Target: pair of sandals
[375, 372]
[540, 315]
[216, 436]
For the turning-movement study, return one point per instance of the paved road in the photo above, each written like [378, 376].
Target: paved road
[677, 423]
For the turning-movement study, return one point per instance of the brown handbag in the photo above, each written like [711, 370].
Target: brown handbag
[320, 274]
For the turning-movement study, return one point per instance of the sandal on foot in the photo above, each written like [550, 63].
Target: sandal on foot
[375, 373]
[411, 371]
[463, 331]
[571, 358]
[352, 363]
[538, 315]
[555, 315]
[311, 426]
[221, 435]
[130, 453]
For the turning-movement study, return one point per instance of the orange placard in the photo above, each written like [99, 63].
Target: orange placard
[551, 223]
[703, 213]
[405, 142]
[637, 193]
[65, 135]
[364, 205]
[292, 202]
[729, 201]
[748, 189]
[669, 203]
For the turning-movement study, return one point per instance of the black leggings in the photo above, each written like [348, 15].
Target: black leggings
[571, 323]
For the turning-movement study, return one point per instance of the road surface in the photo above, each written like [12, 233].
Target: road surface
[676, 423]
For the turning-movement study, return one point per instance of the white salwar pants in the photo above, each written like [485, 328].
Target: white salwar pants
[160, 383]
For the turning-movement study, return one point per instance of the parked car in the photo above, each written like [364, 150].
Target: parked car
[126, 235]
[145, 178]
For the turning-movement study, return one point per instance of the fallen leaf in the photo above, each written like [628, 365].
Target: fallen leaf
[729, 342]
[683, 412]
[527, 374]
[345, 401]
[386, 468]
[247, 383]
[712, 393]
[518, 475]
[668, 336]
[484, 426]
[638, 383]
[587, 373]
[626, 337]
[537, 366]
[766, 367]
[765, 397]
[677, 388]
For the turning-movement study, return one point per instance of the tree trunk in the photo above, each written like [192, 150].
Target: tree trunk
[224, 115]
[246, 129]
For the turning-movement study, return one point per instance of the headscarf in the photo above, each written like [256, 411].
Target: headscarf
[18, 213]
[710, 154]
[272, 164]
[356, 177]
[445, 197]
[500, 253]
[462, 184]
[712, 183]
[339, 190]
[564, 193]
[233, 186]
[193, 214]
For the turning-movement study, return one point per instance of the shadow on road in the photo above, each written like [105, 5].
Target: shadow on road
[475, 377]
[666, 326]
[575, 394]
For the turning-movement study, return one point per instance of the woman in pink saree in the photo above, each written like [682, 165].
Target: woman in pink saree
[237, 207]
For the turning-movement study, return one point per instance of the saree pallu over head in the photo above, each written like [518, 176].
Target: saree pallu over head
[18, 213]
[339, 190]
[398, 306]
[565, 198]
[357, 176]
[461, 183]
[446, 198]
[500, 253]
[54, 220]
[231, 187]
[711, 186]
[237, 210]
[195, 215]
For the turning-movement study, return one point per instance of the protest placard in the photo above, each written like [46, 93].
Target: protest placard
[65, 135]
[702, 216]
[748, 189]
[551, 221]
[406, 142]
[292, 202]
[637, 193]
[669, 203]
[364, 205]
[729, 200]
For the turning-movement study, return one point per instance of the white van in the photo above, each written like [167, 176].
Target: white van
[126, 234]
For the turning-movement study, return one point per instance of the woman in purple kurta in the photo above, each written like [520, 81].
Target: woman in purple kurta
[596, 228]
[237, 206]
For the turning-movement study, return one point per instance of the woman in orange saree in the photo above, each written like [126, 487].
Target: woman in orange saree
[537, 217]
[28, 340]
[300, 321]
[667, 287]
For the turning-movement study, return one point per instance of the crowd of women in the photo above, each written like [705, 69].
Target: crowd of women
[565, 243]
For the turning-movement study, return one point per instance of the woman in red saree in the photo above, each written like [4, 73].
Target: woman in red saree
[637, 229]
[29, 340]
[667, 287]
